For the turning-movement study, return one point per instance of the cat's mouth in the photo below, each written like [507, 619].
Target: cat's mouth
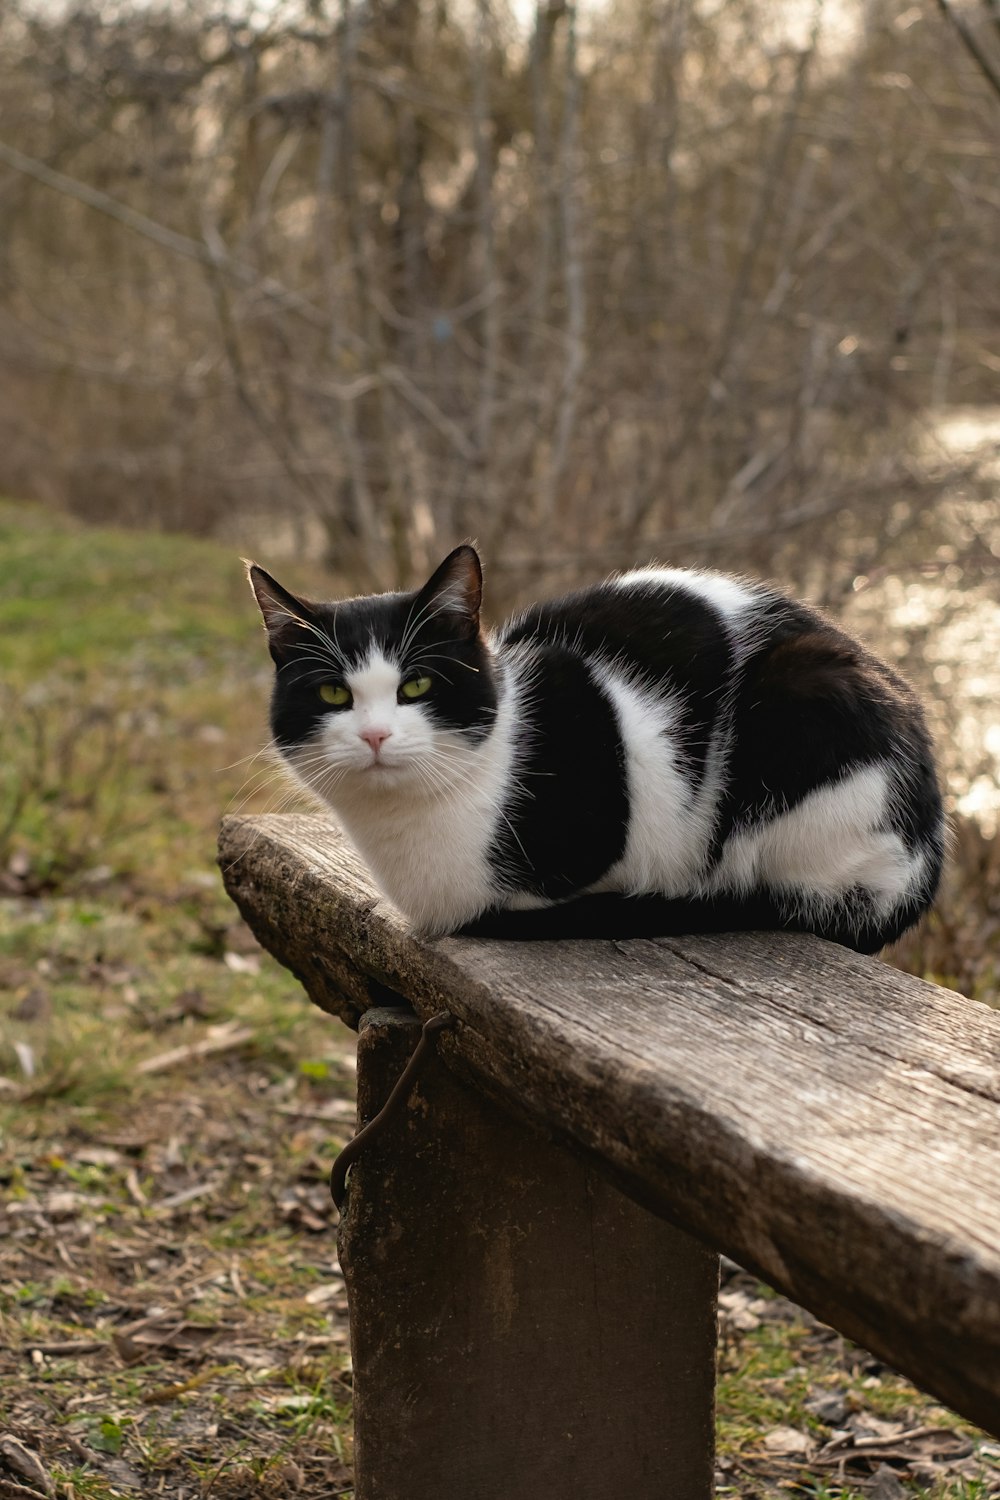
[382, 769]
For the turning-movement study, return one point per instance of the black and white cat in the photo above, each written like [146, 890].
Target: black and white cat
[665, 752]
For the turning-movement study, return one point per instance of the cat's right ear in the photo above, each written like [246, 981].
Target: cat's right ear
[285, 617]
[455, 590]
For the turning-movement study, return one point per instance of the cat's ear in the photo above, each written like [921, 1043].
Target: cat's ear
[285, 617]
[455, 589]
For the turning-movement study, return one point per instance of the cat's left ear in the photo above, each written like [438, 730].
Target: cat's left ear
[287, 618]
[456, 590]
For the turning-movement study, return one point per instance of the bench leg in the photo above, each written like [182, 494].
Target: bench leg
[520, 1330]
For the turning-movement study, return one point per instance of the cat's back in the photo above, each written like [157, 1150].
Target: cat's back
[644, 617]
[701, 655]
[656, 648]
[695, 629]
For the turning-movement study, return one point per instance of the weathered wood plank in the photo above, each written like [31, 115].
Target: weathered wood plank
[518, 1326]
[827, 1121]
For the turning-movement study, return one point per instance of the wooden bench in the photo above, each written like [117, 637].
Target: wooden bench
[531, 1255]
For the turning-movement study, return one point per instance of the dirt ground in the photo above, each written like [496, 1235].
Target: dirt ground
[174, 1320]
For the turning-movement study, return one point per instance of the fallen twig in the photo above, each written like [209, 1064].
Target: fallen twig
[227, 1038]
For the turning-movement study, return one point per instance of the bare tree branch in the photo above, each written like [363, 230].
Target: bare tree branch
[167, 239]
[971, 44]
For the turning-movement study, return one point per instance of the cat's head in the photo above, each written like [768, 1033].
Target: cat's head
[380, 691]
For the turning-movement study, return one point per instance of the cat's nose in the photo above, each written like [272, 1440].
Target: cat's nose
[375, 737]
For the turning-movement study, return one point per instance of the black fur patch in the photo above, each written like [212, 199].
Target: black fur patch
[334, 639]
[611, 916]
[667, 635]
[571, 822]
[812, 706]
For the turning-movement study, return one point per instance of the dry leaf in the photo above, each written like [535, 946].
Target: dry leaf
[168, 1332]
[734, 1312]
[65, 1205]
[192, 1003]
[26, 1463]
[36, 1005]
[830, 1407]
[26, 1057]
[320, 1295]
[887, 1485]
[242, 963]
[788, 1440]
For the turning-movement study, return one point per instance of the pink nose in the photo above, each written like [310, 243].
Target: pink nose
[375, 737]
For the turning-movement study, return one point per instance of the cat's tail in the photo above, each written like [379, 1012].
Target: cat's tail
[611, 915]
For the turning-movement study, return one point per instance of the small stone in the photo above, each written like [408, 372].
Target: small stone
[788, 1440]
[736, 1312]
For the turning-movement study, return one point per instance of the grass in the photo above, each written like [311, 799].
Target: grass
[784, 1375]
[167, 1247]
[176, 1219]
[133, 678]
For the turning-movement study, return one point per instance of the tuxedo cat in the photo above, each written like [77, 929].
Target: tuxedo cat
[664, 752]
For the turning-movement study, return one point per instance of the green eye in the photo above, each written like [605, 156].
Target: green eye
[415, 687]
[335, 693]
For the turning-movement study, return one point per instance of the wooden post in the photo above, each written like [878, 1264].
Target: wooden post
[520, 1329]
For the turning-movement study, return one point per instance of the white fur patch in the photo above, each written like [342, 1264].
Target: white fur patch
[735, 600]
[668, 826]
[730, 597]
[424, 817]
[374, 687]
[830, 843]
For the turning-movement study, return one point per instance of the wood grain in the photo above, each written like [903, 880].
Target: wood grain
[825, 1120]
[519, 1328]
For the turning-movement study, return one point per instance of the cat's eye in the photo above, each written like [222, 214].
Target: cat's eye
[336, 694]
[415, 687]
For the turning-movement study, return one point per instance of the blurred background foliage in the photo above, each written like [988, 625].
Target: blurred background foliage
[587, 282]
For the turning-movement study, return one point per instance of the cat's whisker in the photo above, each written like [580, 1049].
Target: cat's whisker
[436, 671]
[333, 627]
[455, 661]
[328, 641]
[256, 780]
[293, 796]
[318, 767]
[245, 760]
[424, 618]
[245, 797]
[413, 624]
[328, 665]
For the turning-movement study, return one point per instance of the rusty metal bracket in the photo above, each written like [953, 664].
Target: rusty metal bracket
[390, 1109]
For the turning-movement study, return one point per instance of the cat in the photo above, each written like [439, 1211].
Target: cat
[666, 752]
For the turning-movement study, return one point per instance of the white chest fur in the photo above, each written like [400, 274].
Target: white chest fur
[426, 830]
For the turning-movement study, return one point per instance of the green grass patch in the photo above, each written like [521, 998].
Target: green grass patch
[134, 700]
[162, 1157]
